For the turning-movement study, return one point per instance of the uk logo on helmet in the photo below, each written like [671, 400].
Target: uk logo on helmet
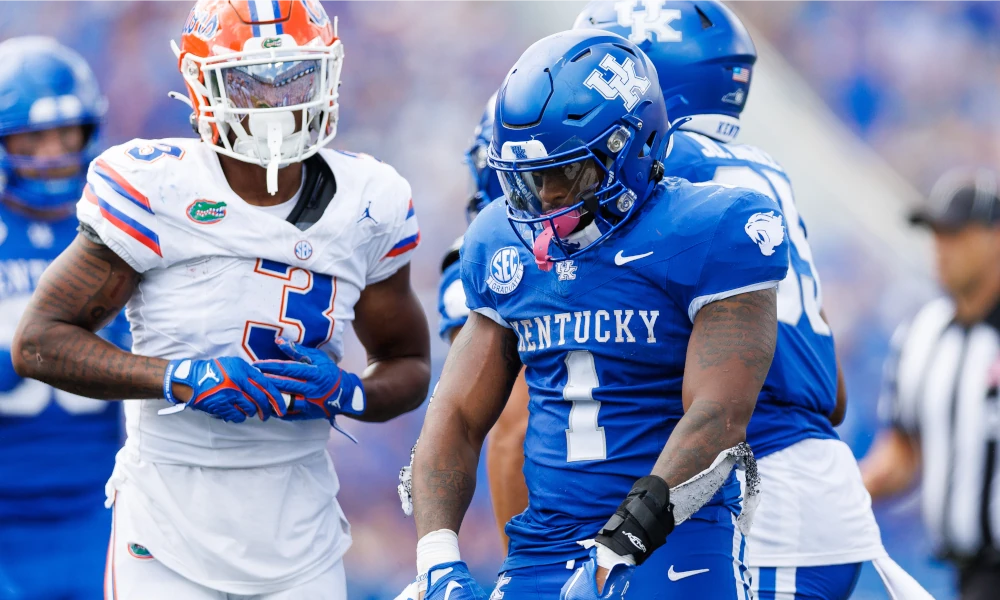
[506, 270]
[653, 18]
[624, 81]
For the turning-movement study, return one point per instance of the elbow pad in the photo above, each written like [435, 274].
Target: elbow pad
[642, 522]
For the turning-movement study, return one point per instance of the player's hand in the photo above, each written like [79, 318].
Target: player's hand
[227, 388]
[593, 582]
[448, 581]
[318, 387]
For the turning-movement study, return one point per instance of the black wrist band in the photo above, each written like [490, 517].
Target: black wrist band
[642, 522]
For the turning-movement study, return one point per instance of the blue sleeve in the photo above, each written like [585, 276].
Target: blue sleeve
[475, 266]
[746, 252]
[451, 301]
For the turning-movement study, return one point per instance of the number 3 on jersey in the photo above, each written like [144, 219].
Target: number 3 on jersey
[799, 291]
[306, 313]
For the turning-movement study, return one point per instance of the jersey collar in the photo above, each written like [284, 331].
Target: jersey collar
[722, 128]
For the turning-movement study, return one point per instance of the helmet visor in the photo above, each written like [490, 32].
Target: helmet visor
[272, 85]
[543, 189]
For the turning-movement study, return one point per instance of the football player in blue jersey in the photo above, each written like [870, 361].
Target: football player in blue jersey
[58, 447]
[814, 526]
[644, 312]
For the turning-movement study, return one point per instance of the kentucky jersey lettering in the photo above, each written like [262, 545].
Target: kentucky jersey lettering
[64, 441]
[801, 388]
[604, 352]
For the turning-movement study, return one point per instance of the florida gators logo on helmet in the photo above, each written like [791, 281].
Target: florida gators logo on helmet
[262, 78]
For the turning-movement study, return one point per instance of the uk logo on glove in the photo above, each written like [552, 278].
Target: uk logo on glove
[318, 387]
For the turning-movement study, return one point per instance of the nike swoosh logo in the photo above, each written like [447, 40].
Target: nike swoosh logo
[677, 576]
[452, 586]
[620, 259]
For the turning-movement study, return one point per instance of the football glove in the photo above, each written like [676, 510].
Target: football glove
[319, 388]
[228, 388]
[447, 581]
[582, 585]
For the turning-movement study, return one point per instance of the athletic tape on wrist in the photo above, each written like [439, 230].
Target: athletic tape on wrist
[436, 548]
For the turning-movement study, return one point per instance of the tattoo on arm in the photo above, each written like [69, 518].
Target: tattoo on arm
[83, 290]
[476, 381]
[729, 354]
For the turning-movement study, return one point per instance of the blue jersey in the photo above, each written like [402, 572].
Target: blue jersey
[801, 388]
[451, 297]
[58, 448]
[604, 339]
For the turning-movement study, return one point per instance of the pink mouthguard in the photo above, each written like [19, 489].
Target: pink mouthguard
[564, 225]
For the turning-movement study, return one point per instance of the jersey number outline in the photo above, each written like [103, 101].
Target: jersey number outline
[153, 152]
[307, 308]
[584, 437]
[798, 293]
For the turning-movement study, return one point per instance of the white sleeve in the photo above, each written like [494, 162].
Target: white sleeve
[121, 215]
[401, 234]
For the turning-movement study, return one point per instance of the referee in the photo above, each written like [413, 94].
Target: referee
[940, 397]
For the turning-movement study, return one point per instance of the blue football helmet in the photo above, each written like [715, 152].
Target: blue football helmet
[44, 85]
[701, 50]
[578, 138]
[487, 185]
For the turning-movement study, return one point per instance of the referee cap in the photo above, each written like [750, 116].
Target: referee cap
[961, 197]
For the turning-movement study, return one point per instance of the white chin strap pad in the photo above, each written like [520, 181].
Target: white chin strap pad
[690, 496]
[273, 128]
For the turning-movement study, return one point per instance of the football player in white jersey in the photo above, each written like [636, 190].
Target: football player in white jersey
[252, 244]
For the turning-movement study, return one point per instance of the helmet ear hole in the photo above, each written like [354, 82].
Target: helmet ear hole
[647, 148]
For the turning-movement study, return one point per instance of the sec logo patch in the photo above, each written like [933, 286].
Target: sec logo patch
[506, 270]
[303, 250]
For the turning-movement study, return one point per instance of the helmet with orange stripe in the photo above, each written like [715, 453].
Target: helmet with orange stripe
[262, 78]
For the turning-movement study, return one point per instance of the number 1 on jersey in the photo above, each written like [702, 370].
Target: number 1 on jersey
[584, 439]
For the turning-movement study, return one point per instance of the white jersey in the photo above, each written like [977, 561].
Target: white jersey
[221, 277]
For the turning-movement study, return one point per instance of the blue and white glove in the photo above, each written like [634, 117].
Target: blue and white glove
[448, 581]
[228, 388]
[582, 585]
[318, 387]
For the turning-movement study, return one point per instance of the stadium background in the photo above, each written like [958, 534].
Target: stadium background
[865, 103]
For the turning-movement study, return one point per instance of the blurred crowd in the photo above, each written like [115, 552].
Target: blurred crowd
[916, 81]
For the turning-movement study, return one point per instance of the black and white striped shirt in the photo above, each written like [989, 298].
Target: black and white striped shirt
[941, 389]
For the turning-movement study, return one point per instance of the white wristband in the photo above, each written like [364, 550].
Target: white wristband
[435, 548]
[608, 558]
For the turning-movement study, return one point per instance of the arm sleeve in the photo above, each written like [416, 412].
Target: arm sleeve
[120, 215]
[746, 252]
[401, 234]
[452, 307]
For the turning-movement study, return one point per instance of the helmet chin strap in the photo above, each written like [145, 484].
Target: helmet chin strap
[563, 225]
[276, 130]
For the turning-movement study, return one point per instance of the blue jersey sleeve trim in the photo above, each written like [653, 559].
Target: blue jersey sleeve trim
[700, 302]
[492, 315]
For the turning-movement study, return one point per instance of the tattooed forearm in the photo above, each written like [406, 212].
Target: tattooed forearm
[742, 327]
[55, 342]
[444, 489]
[477, 378]
[730, 351]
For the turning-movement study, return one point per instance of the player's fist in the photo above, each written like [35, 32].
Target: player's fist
[592, 582]
[447, 581]
[228, 388]
[318, 387]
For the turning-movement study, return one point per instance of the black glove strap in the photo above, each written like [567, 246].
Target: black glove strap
[642, 522]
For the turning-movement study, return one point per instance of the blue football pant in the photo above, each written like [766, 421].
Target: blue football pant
[703, 559]
[55, 560]
[835, 582]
